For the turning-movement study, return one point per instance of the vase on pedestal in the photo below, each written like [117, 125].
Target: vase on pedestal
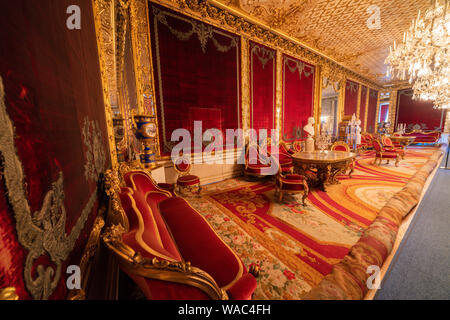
[145, 132]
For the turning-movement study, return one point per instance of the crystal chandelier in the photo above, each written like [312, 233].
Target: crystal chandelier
[424, 55]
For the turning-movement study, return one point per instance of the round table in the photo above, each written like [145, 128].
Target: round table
[403, 140]
[322, 167]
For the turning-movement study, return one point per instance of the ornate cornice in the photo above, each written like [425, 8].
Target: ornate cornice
[233, 20]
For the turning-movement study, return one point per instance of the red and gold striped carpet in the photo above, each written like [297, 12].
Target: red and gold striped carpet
[297, 246]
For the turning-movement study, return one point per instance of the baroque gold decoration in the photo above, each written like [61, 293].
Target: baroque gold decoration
[8, 293]
[43, 232]
[238, 21]
[102, 10]
[88, 253]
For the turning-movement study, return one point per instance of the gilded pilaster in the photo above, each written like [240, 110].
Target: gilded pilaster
[392, 110]
[317, 98]
[279, 92]
[367, 109]
[245, 84]
[378, 112]
[102, 10]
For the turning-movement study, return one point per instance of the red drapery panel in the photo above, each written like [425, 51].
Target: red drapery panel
[362, 107]
[262, 86]
[417, 114]
[197, 74]
[298, 96]
[53, 99]
[351, 98]
[384, 109]
[372, 111]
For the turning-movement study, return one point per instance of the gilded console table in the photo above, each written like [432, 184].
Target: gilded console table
[404, 141]
[322, 168]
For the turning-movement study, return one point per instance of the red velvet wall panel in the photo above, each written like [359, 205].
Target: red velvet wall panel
[384, 111]
[417, 114]
[298, 96]
[351, 98]
[262, 86]
[372, 111]
[54, 100]
[362, 107]
[197, 74]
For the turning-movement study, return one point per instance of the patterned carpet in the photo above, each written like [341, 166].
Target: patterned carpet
[296, 246]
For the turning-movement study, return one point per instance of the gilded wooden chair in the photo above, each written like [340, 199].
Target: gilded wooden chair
[185, 180]
[391, 146]
[343, 146]
[290, 183]
[383, 154]
[340, 146]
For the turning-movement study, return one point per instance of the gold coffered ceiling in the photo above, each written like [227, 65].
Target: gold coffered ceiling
[338, 28]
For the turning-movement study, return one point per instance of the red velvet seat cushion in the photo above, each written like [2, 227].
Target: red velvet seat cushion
[199, 243]
[339, 148]
[188, 180]
[390, 155]
[291, 182]
[260, 169]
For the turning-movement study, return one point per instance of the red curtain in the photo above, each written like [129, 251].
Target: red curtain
[362, 107]
[262, 86]
[384, 109]
[418, 114]
[298, 96]
[351, 98]
[372, 111]
[197, 74]
[52, 86]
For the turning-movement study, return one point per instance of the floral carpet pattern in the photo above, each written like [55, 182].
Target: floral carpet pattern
[296, 246]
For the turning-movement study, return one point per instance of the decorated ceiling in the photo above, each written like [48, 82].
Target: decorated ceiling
[348, 31]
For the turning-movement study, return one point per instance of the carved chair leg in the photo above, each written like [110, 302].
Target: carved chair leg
[305, 195]
[397, 161]
[280, 196]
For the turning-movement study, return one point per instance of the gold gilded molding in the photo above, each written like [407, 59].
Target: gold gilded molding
[237, 21]
[392, 109]
[102, 10]
[367, 109]
[317, 106]
[279, 92]
[90, 250]
[8, 293]
[245, 84]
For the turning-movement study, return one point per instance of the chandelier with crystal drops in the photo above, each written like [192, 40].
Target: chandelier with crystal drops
[424, 56]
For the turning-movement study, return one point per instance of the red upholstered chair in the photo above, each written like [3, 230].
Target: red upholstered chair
[381, 153]
[366, 142]
[290, 183]
[258, 164]
[296, 146]
[388, 145]
[340, 146]
[185, 180]
[343, 146]
[281, 153]
[168, 248]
